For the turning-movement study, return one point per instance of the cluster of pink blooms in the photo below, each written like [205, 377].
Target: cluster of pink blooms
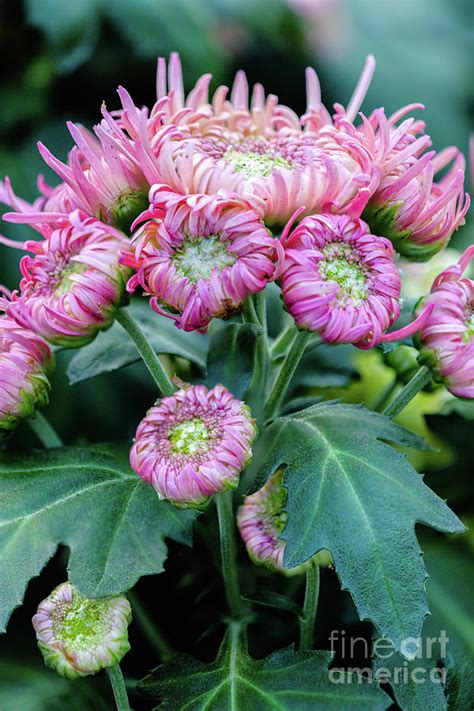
[199, 202]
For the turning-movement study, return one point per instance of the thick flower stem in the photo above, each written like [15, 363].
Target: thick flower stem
[118, 686]
[225, 516]
[310, 608]
[286, 373]
[385, 395]
[45, 432]
[408, 392]
[153, 635]
[146, 351]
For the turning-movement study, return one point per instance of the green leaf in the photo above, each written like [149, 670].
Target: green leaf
[268, 598]
[28, 687]
[113, 349]
[297, 681]
[325, 366]
[417, 684]
[231, 357]
[113, 523]
[354, 495]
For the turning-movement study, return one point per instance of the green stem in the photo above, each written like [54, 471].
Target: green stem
[282, 341]
[408, 392]
[118, 686]
[249, 312]
[146, 351]
[310, 608]
[286, 373]
[225, 515]
[153, 635]
[44, 431]
[385, 395]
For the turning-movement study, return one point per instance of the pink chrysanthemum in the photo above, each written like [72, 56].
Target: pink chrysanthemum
[73, 284]
[200, 256]
[447, 338]
[99, 178]
[418, 214]
[79, 636]
[194, 444]
[261, 150]
[261, 520]
[25, 360]
[342, 281]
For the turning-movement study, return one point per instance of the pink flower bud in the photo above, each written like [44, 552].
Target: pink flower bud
[341, 281]
[194, 444]
[446, 339]
[25, 360]
[261, 520]
[200, 256]
[77, 635]
[73, 284]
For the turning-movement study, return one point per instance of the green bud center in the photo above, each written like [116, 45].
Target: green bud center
[341, 265]
[189, 437]
[82, 623]
[64, 283]
[253, 164]
[469, 323]
[127, 207]
[199, 256]
[274, 505]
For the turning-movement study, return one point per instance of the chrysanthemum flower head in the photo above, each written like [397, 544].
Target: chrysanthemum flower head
[201, 256]
[417, 213]
[341, 281]
[447, 338]
[100, 178]
[194, 444]
[79, 636]
[25, 360]
[74, 283]
[261, 520]
[255, 147]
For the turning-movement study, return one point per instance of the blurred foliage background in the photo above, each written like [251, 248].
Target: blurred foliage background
[60, 61]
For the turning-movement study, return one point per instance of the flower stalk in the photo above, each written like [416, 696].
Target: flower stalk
[408, 392]
[151, 360]
[118, 687]
[46, 434]
[286, 373]
[225, 517]
[310, 608]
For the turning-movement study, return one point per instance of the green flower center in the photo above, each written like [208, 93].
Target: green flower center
[253, 164]
[81, 623]
[189, 437]
[341, 265]
[274, 505]
[469, 323]
[199, 256]
[64, 282]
